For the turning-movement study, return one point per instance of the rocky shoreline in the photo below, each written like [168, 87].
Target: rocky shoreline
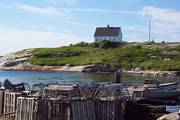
[91, 69]
[19, 61]
[29, 67]
[154, 73]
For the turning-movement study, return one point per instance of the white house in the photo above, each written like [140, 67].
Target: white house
[113, 34]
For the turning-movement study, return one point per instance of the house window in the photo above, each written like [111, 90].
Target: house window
[96, 39]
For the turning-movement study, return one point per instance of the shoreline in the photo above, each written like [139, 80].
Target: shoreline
[154, 73]
[30, 67]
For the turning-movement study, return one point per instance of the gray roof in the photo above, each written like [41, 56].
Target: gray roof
[107, 31]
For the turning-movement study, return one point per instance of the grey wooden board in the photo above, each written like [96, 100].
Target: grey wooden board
[1, 101]
[53, 110]
[83, 110]
[26, 108]
[109, 110]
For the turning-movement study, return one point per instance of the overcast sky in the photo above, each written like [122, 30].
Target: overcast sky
[53, 23]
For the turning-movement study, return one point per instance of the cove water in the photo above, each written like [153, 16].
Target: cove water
[34, 77]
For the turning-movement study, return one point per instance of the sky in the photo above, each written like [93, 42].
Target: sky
[54, 23]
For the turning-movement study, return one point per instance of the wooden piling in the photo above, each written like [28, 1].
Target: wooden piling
[1, 101]
[117, 77]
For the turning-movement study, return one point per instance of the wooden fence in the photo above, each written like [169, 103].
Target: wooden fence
[10, 99]
[109, 110]
[29, 108]
[53, 110]
[83, 110]
[26, 109]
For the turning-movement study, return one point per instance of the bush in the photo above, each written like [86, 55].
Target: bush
[108, 44]
[82, 44]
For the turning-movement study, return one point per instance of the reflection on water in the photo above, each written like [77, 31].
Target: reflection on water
[33, 77]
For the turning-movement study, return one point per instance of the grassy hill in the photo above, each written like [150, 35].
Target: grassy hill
[147, 56]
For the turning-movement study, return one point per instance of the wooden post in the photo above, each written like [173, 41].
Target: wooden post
[1, 101]
[117, 77]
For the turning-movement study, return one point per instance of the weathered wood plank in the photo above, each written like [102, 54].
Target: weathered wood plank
[10, 99]
[1, 101]
[109, 110]
[26, 108]
[83, 110]
[53, 110]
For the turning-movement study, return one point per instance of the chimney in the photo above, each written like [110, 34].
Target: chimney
[108, 26]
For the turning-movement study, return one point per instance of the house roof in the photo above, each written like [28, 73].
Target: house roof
[107, 31]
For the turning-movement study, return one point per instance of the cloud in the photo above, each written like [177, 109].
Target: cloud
[165, 25]
[13, 40]
[163, 15]
[80, 23]
[99, 10]
[69, 2]
[47, 10]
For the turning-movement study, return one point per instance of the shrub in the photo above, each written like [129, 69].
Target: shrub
[108, 44]
[82, 44]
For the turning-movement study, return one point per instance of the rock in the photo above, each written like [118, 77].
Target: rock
[98, 68]
[14, 59]
[172, 116]
[137, 69]
[177, 73]
[14, 62]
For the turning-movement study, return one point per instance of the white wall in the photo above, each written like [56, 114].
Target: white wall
[110, 38]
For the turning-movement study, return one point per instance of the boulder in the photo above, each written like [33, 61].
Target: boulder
[172, 116]
[99, 68]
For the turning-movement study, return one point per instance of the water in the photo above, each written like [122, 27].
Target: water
[173, 108]
[33, 77]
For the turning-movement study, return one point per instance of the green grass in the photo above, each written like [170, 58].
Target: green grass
[127, 56]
